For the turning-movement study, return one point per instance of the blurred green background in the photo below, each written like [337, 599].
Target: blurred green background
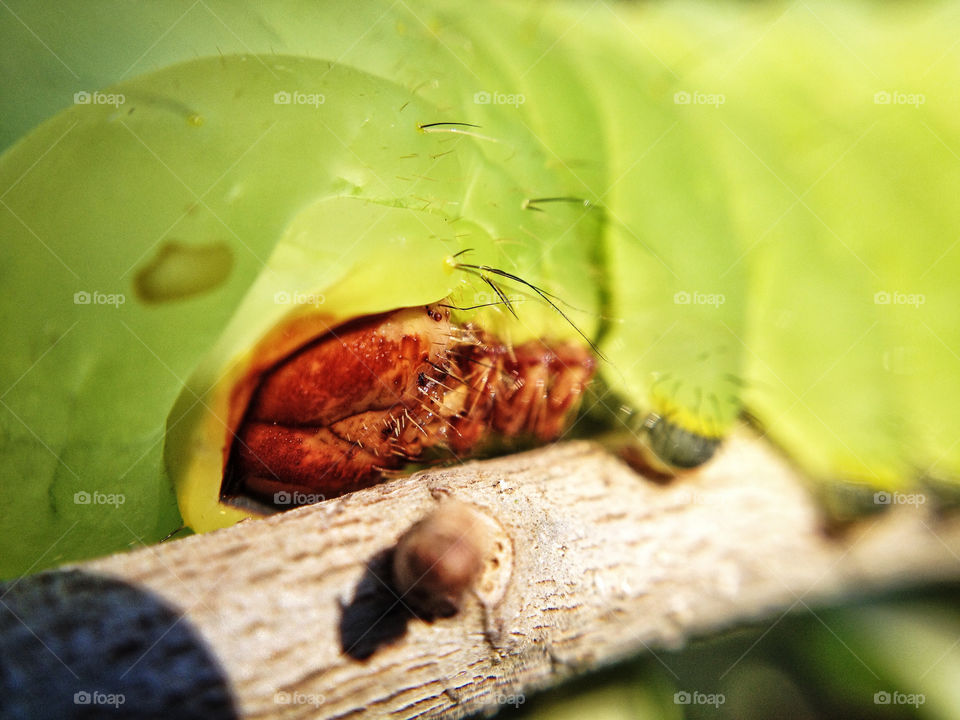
[895, 657]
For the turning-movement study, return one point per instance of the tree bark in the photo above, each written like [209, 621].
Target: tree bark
[294, 616]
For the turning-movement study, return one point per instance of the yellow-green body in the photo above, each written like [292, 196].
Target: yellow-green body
[715, 196]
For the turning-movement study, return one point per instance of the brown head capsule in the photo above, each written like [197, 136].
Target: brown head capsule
[384, 391]
[441, 557]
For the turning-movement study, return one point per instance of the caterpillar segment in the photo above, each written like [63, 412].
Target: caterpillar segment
[385, 391]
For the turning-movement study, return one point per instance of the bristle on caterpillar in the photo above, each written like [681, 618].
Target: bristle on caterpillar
[385, 391]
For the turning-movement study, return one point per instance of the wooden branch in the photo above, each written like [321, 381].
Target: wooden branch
[293, 616]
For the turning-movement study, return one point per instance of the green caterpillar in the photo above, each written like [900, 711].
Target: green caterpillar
[743, 209]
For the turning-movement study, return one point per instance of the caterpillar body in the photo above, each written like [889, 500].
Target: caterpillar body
[661, 201]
